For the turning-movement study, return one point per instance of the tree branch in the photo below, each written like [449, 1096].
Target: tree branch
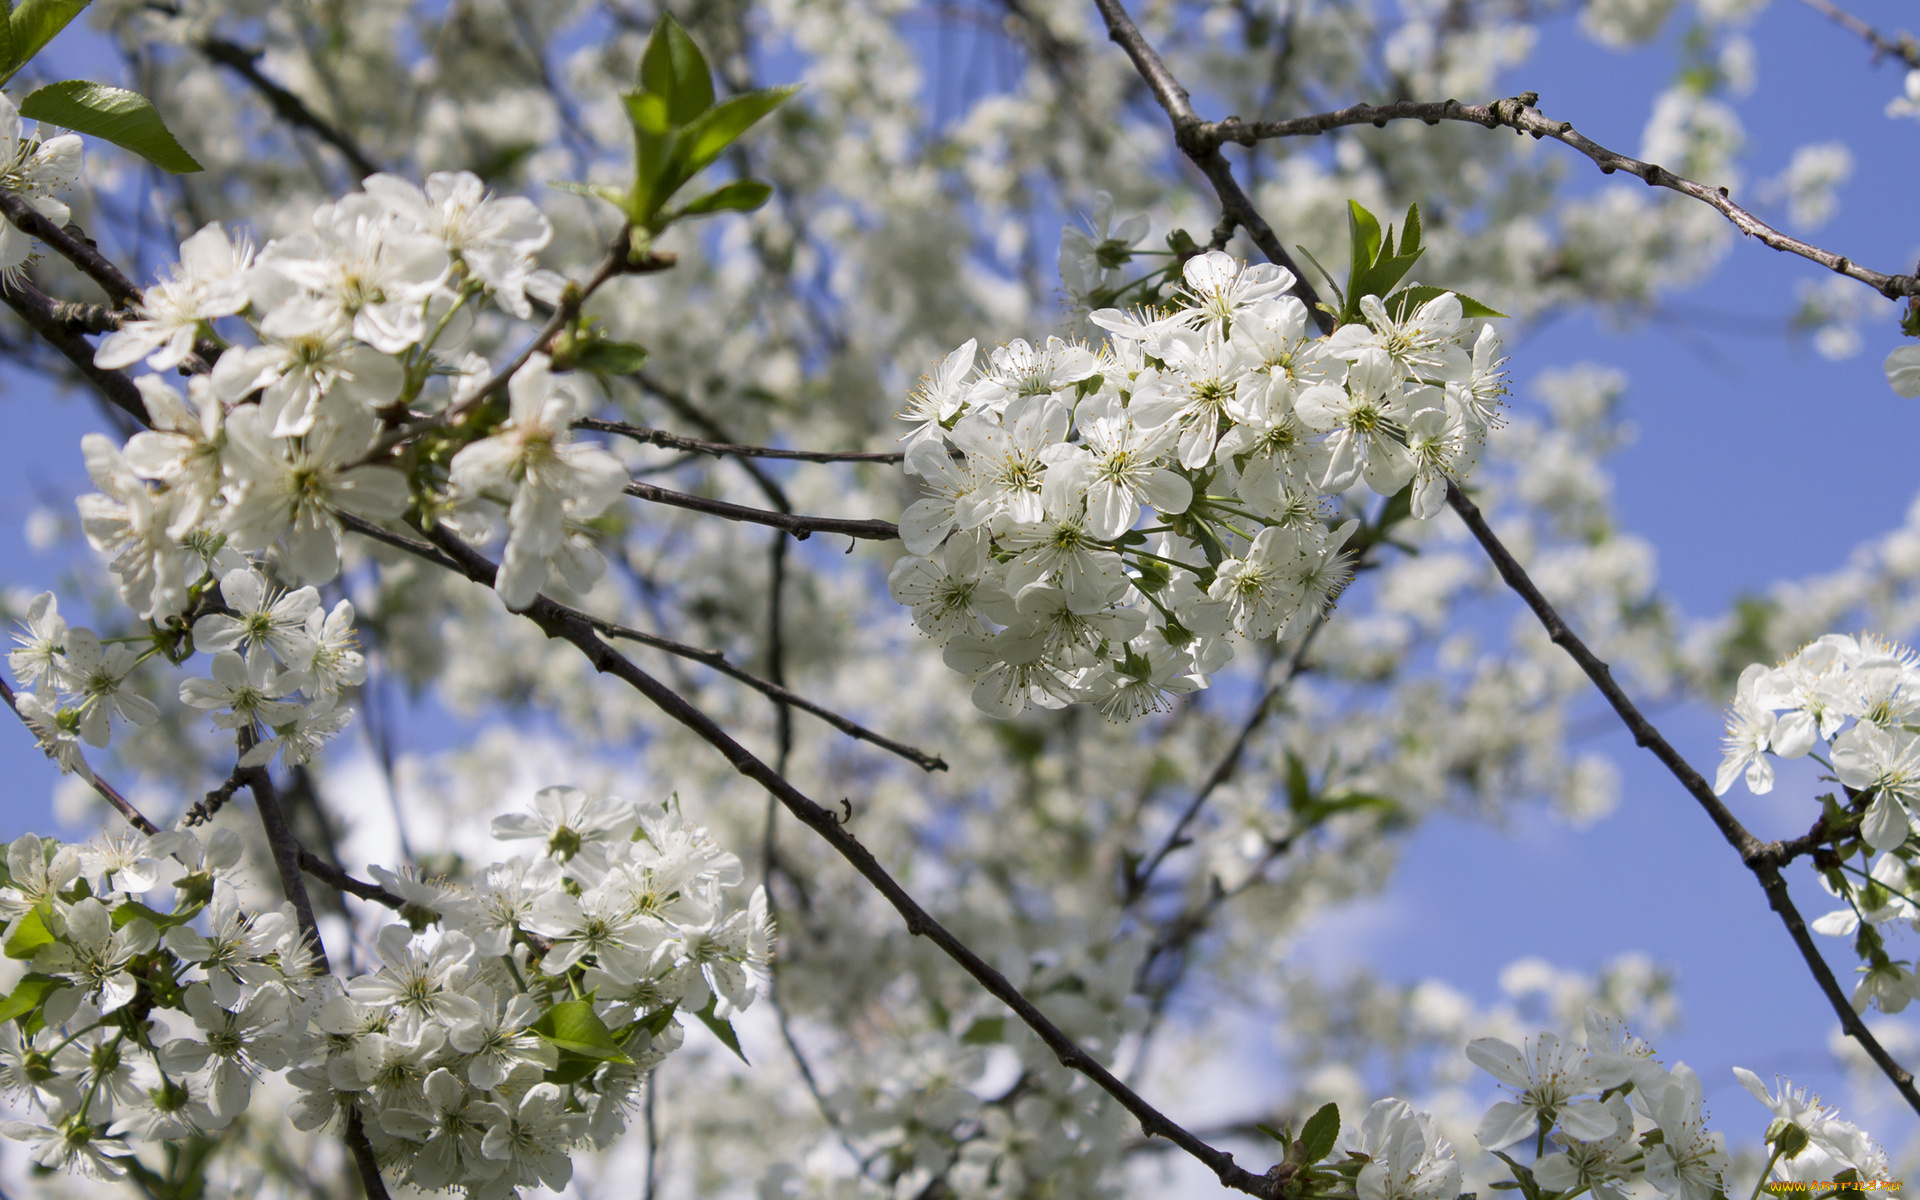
[801, 527]
[1519, 114]
[82, 254]
[1902, 47]
[42, 313]
[290, 108]
[675, 441]
[1763, 859]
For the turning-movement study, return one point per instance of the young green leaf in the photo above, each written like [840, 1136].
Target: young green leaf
[112, 114]
[1319, 1134]
[572, 1027]
[985, 1031]
[1363, 231]
[27, 995]
[742, 195]
[31, 25]
[29, 934]
[673, 69]
[721, 1029]
[721, 126]
[1410, 236]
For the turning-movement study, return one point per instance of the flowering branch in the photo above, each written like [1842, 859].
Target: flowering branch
[1762, 858]
[560, 623]
[42, 314]
[82, 254]
[1519, 114]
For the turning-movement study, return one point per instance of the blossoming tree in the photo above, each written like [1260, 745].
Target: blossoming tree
[1142, 657]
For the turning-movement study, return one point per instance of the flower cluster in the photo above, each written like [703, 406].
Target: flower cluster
[1099, 521]
[279, 661]
[1605, 1116]
[508, 1021]
[33, 170]
[351, 326]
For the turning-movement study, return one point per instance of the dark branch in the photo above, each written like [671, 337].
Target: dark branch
[289, 107]
[801, 527]
[43, 314]
[1763, 859]
[81, 253]
[340, 881]
[1902, 47]
[1519, 114]
[675, 441]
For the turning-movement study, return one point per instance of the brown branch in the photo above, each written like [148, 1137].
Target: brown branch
[1519, 114]
[82, 254]
[340, 881]
[1902, 47]
[675, 441]
[801, 527]
[243, 61]
[1139, 879]
[1763, 859]
[43, 314]
[1189, 132]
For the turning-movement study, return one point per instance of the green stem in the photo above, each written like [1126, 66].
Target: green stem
[1764, 1172]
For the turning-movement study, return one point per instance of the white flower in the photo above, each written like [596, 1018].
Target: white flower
[497, 1038]
[572, 823]
[183, 449]
[1421, 345]
[209, 282]
[76, 1147]
[233, 1047]
[1598, 1164]
[533, 1139]
[1868, 758]
[248, 692]
[1546, 1078]
[42, 643]
[940, 396]
[1122, 472]
[293, 487]
[532, 465]
[451, 1133]
[495, 236]
[97, 675]
[1259, 589]
[1218, 287]
[372, 270]
[1362, 419]
[262, 618]
[1017, 371]
[422, 980]
[34, 170]
[1089, 258]
[1689, 1163]
[1409, 1159]
[947, 590]
[1750, 729]
[94, 955]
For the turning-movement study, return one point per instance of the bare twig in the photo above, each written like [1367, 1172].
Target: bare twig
[340, 881]
[675, 441]
[1139, 879]
[801, 527]
[1764, 859]
[1901, 47]
[243, 61]
[1519, 114]
[1205, 153]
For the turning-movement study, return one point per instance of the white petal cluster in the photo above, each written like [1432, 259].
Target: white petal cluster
[509, 1023]
[359, 319]
[1603, 1116]
[34, 170]
[1099, 523]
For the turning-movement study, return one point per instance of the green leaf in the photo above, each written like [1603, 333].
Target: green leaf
[721, 1029]
[673, 69]
[723, 124]
[1299, 788]
[1403, 302]
[6, 36]
[572, 1068]
[985, 1032]
[601, 191]
[655, 1022]
[1319, 1134]
[742, 195]
[27, 995]
[1339, 296]
[1363, 231]
[129, 910]
[1410, 236]
[30, 933]
[113, 114]
[607, 357]
[572, 1027]
[31, 25]
[1276, 1134]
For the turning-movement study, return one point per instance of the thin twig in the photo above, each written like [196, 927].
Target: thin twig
[801, 527]
[1519, 114]
[1762, 858]
[1902, 47]
[243, 60]
[1204, 153]
[675, 441]
[1138, 880]
[340, 881]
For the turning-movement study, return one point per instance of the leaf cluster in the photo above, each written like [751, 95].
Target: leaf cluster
[1376, 263]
